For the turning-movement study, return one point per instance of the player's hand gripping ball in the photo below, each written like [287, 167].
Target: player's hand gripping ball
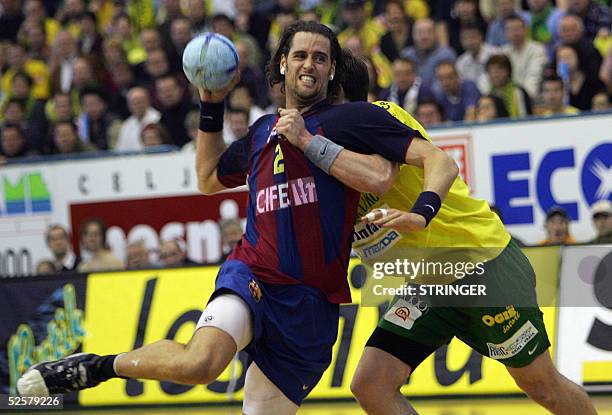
[210, 61]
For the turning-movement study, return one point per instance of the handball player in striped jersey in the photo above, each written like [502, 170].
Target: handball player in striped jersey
[277, 296]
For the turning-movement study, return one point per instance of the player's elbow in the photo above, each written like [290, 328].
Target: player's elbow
[452, 166]
[383, 181]
[205, 189]
[381, 176]
[442, 163]
[377, 183]
[206, 186]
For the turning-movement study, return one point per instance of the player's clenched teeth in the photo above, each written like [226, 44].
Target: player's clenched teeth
[307, 79]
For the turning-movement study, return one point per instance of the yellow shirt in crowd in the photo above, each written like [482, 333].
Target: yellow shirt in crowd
[40, 77]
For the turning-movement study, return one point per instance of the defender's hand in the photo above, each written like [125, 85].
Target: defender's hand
[396, 219]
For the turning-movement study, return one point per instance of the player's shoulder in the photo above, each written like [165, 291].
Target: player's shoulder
[393, 109]
[376, 109]
[387, 105]
[262, 124]
[402, 116]
[266, 118]
[359, 110]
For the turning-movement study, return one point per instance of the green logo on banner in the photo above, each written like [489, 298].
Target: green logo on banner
[28, 195]
[64, 335]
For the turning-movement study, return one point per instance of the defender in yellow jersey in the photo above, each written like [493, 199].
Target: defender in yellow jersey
[479, 227]
[468, 227]
[411, 330]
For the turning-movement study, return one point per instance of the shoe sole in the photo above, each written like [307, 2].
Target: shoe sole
[32, 383]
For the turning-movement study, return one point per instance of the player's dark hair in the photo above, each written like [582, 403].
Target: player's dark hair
[273, 68]
[496, 210]
[354, 78]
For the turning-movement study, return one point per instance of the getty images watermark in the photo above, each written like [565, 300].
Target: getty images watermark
[488, 276]
[447, 276]
[417, 274]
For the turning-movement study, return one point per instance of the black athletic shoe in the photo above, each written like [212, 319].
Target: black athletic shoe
[72, 373]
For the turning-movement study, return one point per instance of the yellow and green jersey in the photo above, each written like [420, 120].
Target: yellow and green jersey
[462, 221]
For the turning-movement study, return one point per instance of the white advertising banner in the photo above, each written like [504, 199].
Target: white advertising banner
[584, 344]
[35, 195]
[527, 167]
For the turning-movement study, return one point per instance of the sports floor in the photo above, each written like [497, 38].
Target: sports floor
[505, 406]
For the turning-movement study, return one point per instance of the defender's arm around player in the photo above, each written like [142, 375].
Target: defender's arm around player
[440, 172]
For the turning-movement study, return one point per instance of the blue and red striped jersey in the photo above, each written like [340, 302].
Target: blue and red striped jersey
[299, 219]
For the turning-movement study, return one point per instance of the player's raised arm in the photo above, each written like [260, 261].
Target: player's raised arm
[210, 145]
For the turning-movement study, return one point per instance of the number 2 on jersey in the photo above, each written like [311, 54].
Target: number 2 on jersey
[279, 162]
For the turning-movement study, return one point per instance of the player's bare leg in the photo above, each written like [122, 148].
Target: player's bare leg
[262, 397]
[200, 361]
[541, 381]
[377, 382]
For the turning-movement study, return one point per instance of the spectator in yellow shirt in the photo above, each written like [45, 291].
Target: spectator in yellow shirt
[355, 16]
[34, 10]
[18, 61]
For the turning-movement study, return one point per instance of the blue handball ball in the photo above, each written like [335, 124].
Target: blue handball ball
[210, 61]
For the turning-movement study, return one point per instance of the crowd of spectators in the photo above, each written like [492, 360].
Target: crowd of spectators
[79, 75]
[96, 255]
[557, 225]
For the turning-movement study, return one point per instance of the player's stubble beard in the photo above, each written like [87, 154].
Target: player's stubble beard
[304, 98]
